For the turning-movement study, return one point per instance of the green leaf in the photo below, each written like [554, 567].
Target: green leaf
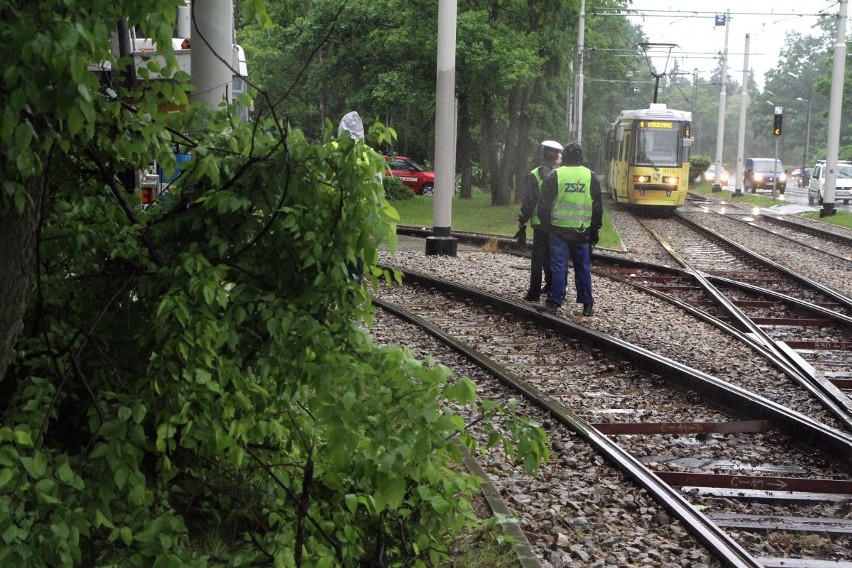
[137, 494]
[45, 490]
[120, 477]
[126, 535]
[351, 501]
[389, 493]
[6, 475]
[36, 466]
[102, 520]
[74, 121]
[60, 529]
[65, 473]
[23, 438]
[462, 391]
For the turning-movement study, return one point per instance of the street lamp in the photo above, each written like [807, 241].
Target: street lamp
[807, 129]
[808, 126]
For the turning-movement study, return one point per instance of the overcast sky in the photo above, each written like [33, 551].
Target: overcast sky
[691, 24]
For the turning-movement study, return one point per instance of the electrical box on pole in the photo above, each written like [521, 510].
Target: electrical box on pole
[776, 124]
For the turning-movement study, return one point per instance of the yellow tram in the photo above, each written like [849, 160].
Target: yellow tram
[647, 157]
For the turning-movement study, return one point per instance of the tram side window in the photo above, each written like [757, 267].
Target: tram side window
[657, 147]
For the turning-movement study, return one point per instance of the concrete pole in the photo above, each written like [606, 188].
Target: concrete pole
[569, 106]
[720, 130]
[441, 241]
[184, 17]
[581, 40]
[807, 130]
[832, 146]
[738, 177]
[212, 33]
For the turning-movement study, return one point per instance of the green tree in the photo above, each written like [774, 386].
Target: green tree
[320, 60]
[613, 69]
[801, 64]
[191, 384]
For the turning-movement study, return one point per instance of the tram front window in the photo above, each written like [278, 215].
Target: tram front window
[657, 147]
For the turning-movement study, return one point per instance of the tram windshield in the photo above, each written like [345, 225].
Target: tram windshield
[658, 143]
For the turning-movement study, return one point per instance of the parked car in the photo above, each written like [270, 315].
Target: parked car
[805, 179]
[842, 186]
[764, 173]
[710, 175]
[412, 174]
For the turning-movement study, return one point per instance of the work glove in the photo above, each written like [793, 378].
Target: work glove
[593, 237]
[521, 235]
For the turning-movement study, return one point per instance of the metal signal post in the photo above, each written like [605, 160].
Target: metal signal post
[776, 131]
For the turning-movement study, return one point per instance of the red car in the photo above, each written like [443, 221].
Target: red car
[412, 174]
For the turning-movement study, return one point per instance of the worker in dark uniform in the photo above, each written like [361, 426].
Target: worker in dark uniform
[572, 208]
[551, 157]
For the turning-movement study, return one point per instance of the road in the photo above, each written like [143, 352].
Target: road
[798, 196]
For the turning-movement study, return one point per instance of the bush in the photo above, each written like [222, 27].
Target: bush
[697, 166]
[395, 190]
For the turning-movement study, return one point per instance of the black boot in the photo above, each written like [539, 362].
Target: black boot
[546, 308]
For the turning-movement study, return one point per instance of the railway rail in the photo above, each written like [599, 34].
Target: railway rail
[783, 312]
[806, 340]
[687, 453]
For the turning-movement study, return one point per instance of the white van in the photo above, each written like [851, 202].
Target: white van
[843, 185]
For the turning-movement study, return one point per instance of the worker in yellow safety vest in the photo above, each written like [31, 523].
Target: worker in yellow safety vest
[571, 207]
[551, 157]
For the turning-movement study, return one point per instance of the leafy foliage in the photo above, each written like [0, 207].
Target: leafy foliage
[395, 190]
[198, 372]
[698, 165]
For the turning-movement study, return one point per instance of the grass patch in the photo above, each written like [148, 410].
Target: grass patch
[482, 550]
[761, 200]
[477, 215]
[841, 218]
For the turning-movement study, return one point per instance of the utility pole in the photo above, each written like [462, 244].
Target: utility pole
[738, 174]
[569, 105]
[807, 128]
[581, 40]
[442, 241]
[834, 114]
[720, 131]
[777, 132]
[212, 32]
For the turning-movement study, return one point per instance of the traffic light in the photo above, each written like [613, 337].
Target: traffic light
[776, 126]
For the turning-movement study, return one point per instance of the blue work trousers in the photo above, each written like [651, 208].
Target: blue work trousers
[561, 251]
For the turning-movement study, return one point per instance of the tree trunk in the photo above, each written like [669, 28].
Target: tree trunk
[18, 242]
[465, 165]
[505, 173]
[522, 152]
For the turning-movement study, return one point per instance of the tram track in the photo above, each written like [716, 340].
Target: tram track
[804, 341]
[600, 386]
[830, 243]
[767, 303]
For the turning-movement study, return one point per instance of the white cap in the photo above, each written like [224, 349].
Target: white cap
[552, 145]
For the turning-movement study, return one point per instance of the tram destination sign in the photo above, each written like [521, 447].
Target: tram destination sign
[656, 124]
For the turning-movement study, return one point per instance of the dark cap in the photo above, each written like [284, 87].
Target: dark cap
[573, 153]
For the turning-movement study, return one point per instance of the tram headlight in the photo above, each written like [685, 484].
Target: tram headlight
[641, 179]
[671, 180]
